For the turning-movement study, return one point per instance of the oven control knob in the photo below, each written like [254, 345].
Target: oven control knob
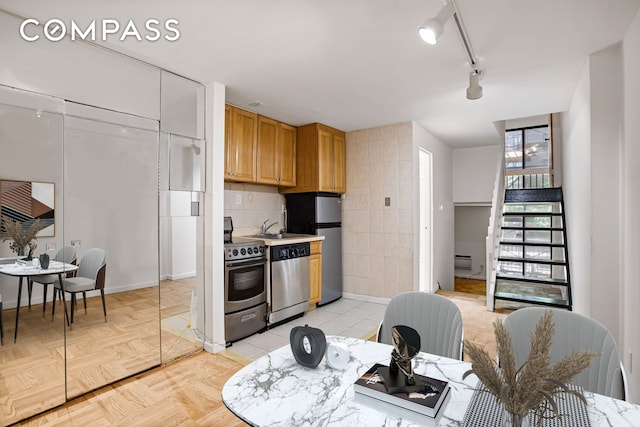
[249, 251]
[235, 252]
[261, 249]
[243, 251]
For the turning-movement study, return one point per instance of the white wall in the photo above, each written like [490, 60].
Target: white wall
[606, 140]
[576, 176]
[631, 206]
[474, 173]
[443, 214]
[177, 236]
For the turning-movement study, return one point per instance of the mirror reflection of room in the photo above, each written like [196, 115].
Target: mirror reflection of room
[123, 307]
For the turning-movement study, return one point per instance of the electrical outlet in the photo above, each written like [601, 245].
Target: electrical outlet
[51, 247]
[284, 208]
[238, 199]
[76, 243]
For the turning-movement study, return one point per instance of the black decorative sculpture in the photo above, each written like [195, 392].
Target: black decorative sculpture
[44, 261]
[308, 345]
[399, 376]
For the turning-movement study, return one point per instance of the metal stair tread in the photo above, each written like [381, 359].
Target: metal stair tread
[513, 213]
[525, 228]
[532, 260]
[521, 243]
[532, 299]
[529, 279]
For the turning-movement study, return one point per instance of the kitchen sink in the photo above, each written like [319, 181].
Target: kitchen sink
[269, 235]
[275, 235]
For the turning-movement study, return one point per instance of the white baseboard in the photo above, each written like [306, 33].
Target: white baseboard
[366, 298]
[213, 348]
[178, 276]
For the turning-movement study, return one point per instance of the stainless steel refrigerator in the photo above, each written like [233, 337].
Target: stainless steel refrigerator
[321, 214]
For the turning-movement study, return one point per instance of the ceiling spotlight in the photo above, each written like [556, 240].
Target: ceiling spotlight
[434, 27]
[474, 91]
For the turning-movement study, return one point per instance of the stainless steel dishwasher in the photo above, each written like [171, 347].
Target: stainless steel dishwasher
[289, 284]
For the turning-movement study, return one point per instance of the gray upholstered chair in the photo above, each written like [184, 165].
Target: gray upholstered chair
[573, 332]
[67, 255]
[90, 276]
[436, 318]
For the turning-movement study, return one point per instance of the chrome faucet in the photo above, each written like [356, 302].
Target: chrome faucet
[266, 227]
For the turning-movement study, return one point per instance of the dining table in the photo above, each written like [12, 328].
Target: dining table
[274, 390]
[22, 269]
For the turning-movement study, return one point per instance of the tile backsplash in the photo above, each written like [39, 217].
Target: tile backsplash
[250, 205]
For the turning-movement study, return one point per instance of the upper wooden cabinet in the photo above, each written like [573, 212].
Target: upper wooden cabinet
[321, 160]
[241, 139]
[276, 153]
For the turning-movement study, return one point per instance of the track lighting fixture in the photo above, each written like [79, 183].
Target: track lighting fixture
[433, 28]
[474, 91]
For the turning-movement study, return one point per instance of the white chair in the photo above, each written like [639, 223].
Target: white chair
[573, 332]
[436, 318]
[90, 276]
[67, 255]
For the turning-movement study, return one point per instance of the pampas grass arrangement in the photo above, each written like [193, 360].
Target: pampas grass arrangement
[19, 238]
[532, 386]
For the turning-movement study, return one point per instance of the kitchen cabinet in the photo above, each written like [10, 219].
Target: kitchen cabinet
[315, 272]
[241, 139]
[320, 160]
[276, 155]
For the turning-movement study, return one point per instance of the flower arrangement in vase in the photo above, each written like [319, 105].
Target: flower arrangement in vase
[20, 239]
[533, 386]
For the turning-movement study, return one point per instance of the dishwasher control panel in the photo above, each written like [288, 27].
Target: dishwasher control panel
[294, 250]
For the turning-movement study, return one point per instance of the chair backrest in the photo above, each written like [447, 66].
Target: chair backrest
[91, 263]
[67, 255]
[573, 332]
[436, 318]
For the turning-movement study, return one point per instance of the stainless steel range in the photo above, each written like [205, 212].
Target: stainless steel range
[245, 296]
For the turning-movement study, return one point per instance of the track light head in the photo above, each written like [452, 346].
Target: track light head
[434, 27]
[430, 31]
[474, 91]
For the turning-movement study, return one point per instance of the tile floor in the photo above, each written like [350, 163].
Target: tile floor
[345, 317]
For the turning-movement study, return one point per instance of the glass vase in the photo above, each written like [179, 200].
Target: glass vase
[509, 419]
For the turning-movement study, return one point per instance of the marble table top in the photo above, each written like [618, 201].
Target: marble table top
[275, 390]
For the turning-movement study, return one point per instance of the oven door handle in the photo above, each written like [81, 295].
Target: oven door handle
[254, 261]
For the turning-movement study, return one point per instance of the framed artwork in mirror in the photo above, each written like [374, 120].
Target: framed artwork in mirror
[27, 201]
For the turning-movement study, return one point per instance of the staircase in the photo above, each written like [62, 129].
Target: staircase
[533, 262]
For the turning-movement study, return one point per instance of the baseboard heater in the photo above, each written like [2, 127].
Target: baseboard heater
[463, 262]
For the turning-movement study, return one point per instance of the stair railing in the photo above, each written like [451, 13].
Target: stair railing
[493, 231]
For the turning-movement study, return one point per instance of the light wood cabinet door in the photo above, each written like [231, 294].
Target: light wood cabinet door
[267, 168]
[339, 164]
[242, 137]
[287, 138]
[325, 160]
[315, 272]
[276, 153]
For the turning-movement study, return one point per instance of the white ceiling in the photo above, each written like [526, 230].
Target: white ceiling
[356, 64]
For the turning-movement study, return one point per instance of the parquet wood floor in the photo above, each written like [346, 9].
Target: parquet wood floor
[187, 392]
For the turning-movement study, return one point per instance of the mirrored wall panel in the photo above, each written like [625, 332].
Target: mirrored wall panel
[111, 219]
[32, 365]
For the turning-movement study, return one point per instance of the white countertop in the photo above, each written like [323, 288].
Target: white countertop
[288, 239]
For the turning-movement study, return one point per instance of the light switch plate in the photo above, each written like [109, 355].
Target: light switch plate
[51, 247]
[76, 243]
[387, 201]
